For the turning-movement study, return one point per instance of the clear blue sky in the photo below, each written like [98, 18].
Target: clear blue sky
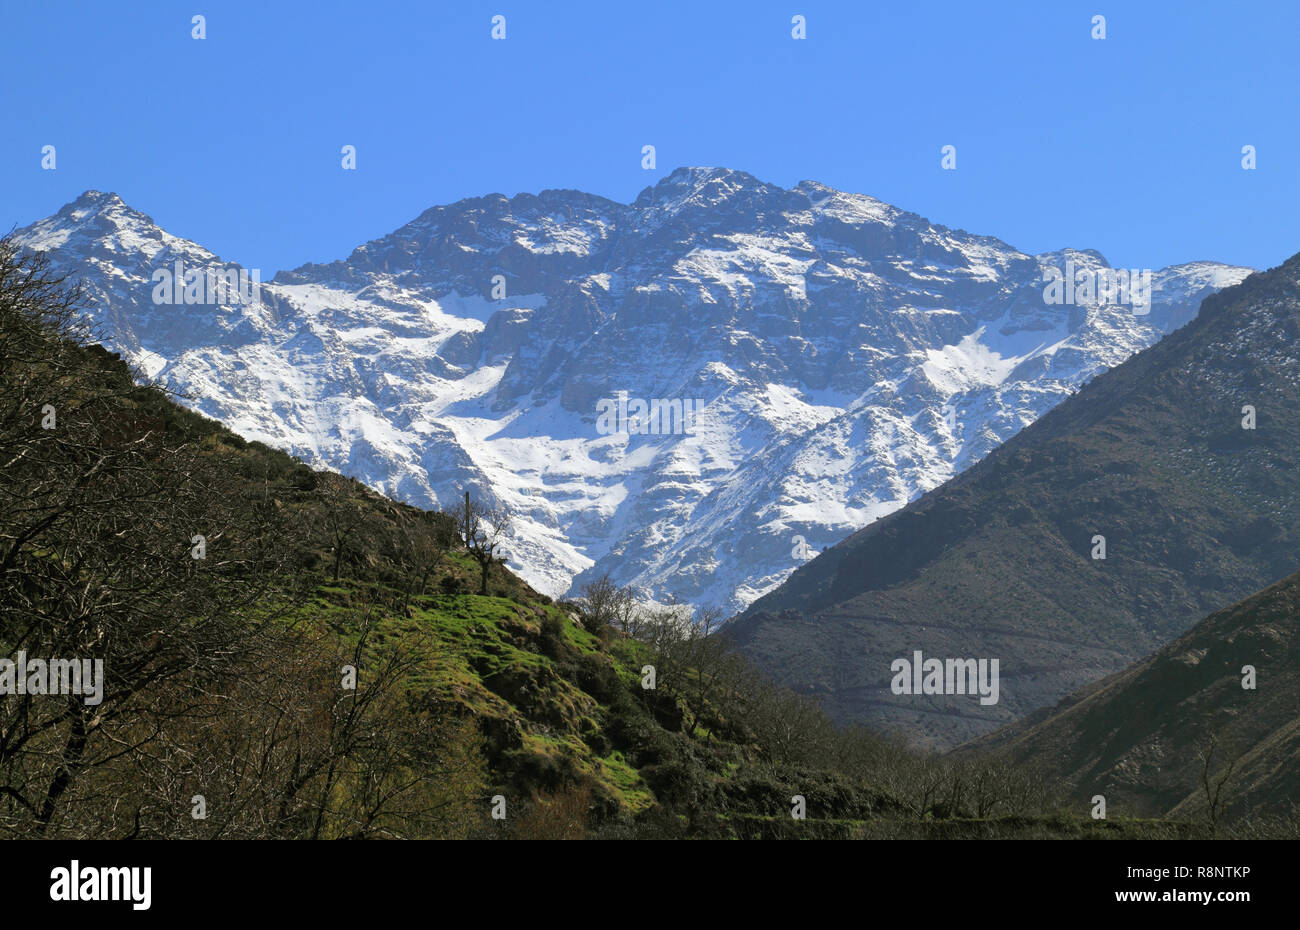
[1131, 145]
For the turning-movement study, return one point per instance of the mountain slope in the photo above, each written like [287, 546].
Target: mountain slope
[847, 355]
[1141, 736]
[1197, 512]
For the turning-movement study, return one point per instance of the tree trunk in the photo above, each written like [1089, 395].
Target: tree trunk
[72, 754]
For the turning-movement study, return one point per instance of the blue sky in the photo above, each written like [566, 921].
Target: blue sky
[1130, 145]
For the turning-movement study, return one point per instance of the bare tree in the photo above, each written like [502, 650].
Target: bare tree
[341, 515]
[629, 615]
[423, 536]
[1212, 785]
[483, 530]
[601, 603]
[121, 543]
[712, 665]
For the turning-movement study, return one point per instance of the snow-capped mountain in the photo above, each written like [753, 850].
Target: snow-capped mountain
[839, 357]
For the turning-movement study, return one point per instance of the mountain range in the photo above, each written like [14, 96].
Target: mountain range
[843, 357]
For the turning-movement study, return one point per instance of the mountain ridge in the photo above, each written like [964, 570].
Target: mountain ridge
[824, 330]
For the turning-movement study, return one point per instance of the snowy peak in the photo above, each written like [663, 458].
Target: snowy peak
[100, 218]
[462, 246]
[92, 203]
[850, 209]
[702, 187]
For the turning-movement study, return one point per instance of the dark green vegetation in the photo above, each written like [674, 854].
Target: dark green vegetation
[1177, 735]
[228, 707]
[1197, 513]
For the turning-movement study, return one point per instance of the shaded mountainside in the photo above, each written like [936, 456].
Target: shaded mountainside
[1197, 512]
[1142, 737]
